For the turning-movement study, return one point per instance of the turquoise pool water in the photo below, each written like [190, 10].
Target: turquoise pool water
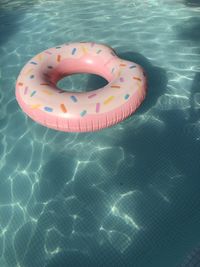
[125, 196]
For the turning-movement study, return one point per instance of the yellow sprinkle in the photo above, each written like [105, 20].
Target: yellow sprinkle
[108, 100]
[119, 73]
[36, 106]
[47, 92]
[28, 71]
[40, 57]
[84, 50]
[139, 85]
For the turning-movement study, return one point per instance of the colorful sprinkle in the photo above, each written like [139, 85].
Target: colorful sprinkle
[137, 78]
[108, 100]
[35, 106]
[58, 58]
[20, 84]
[34, 63]
[44, 84]
[63, 108]
[83, 113]
[32, 76]
[97, 107]
[99, 51]
[47, 92]
[115, 86]
[121, 79]
[57, 47]
[73, 98]
[29, 71]
[40, 57]
[91, 96]
[112, 70]
[84, 50]
[26, 90]
[49, 109]
[123, 65]
[33, 93]
[126, 96]
[48, 52]
[131, 67]
[73, 51]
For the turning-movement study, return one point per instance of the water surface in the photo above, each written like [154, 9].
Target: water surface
[126, 195]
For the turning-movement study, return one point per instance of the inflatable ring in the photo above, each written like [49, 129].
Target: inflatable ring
[40, 98]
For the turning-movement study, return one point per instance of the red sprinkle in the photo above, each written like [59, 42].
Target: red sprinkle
[90, 96]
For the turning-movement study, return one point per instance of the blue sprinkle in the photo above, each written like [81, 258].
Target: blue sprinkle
[34, 63]
[33, 93]
[73, 98]
[73, 51]
[48, 109]
[126, 96]
[32, 76]
[131, 67]
[83, 113]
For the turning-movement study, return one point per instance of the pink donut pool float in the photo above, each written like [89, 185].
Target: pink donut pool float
[41, 99]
